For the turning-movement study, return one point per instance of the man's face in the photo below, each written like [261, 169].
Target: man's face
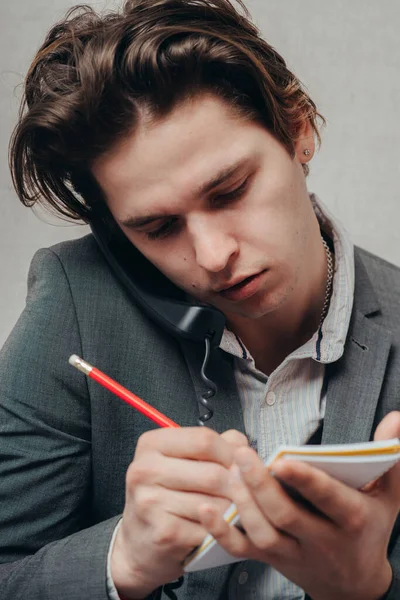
[216, 203]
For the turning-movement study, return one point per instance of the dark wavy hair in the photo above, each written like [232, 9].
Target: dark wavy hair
[95, 75]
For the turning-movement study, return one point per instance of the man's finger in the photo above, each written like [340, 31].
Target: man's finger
[196, 443]
[235, 438]
[337, 501]
[389, 427]
[389, 483]
[262, 498]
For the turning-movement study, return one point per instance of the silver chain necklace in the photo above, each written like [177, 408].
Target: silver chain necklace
[329, 280]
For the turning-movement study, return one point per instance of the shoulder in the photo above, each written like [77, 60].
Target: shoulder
[73, 255]
[74, 277]
[84, 247]
[383, 276]
[76, 273]
[77, 263]
[377, 287]
[384, 271]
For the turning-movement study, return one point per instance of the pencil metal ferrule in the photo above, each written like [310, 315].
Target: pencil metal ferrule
[80, 364]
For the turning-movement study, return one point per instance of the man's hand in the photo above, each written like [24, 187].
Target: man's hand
[173, 472]
[339, 554]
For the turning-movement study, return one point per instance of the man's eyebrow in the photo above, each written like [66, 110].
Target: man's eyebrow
[137, 222]
[223, 175]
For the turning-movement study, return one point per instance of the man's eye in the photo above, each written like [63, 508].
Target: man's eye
[233, 195]
[166, 229]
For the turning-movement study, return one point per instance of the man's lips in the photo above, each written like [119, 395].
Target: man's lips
[243, 288]
[236, 282]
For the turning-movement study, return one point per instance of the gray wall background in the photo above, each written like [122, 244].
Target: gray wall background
[348, 55]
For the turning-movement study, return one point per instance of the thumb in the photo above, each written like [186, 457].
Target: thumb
[387, 429]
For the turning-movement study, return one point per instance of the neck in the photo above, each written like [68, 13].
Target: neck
[275, 335]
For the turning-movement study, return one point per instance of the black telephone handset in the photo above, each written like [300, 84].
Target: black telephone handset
[159, 298]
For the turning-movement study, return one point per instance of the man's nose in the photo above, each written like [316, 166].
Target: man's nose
[213, 244]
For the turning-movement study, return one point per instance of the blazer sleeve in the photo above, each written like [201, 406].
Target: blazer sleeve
[49, 546]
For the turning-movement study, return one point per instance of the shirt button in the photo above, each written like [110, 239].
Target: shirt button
[243, 577]
[271, 398]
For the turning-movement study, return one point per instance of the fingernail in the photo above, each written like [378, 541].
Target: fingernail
[277, 468]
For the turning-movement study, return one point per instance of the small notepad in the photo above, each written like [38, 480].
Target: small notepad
[353, 464]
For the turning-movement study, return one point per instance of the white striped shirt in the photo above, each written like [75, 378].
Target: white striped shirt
[287, 406]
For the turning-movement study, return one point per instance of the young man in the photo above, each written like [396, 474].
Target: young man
[177, 125]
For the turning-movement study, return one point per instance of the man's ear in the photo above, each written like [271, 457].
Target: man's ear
[305, 143]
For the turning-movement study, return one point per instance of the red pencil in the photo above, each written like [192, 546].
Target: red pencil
[121, 392]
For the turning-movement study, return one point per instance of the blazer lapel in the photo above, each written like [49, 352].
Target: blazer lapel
[354, 382]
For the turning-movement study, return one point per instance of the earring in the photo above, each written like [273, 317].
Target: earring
[306, 152]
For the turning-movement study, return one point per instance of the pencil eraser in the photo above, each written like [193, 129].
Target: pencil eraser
[73, 359]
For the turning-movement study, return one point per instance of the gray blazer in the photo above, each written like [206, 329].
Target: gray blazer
[66, 443]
